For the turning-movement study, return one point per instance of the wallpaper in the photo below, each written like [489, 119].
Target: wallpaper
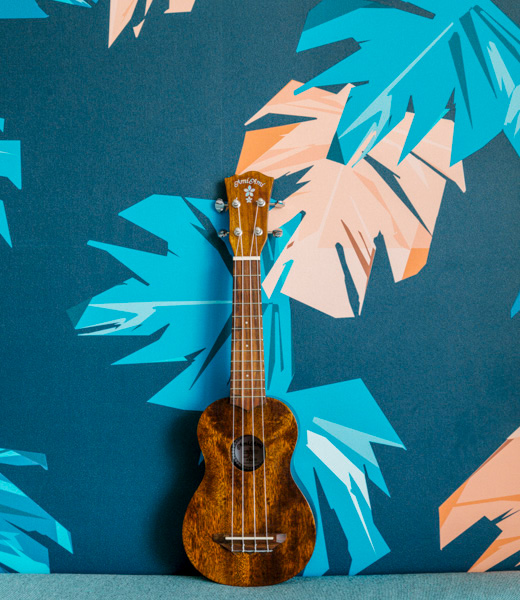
[390, 302]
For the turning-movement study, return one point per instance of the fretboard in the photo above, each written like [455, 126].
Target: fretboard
[247, 340]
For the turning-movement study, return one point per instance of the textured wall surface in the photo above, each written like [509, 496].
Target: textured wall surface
[390, 303]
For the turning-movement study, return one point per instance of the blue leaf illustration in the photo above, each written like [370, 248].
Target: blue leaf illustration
[29, 9]
[11, 169]
[187, 292]
[468, 49]
[516, 307]
[336, 437]
[20, 516]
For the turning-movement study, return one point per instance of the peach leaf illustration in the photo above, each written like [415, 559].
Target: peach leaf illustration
[346, 207]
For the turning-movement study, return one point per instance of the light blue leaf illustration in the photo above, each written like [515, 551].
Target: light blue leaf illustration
[29, 9]
[186, 294]
[20, 516]
[11, 169]
[467, 48]
[187, 291]
[516, 307]
[340, 423]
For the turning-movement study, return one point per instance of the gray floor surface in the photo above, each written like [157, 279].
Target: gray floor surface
[446, 586]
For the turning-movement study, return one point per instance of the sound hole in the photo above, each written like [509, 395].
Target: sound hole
[242, 453]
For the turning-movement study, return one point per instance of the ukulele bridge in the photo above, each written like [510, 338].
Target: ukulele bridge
[249, 543]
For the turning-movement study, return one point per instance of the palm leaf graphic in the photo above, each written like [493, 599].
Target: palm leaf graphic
[20, 516]
[30, 9]
[492, 492]
[516, 306]
[348, 205]
[465, 48]
[10, 169]
[121, 12]
[187, 293]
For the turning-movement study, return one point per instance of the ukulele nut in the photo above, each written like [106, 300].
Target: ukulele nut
[258, 231]
[237, 232]
[235, 203]
[260, 202]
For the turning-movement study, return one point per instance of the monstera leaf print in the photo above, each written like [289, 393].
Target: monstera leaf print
[187, 293]
[122, 11]
[20, 516]
[346, 207]
[492, 493]
[466, 48]
[516, 306]
[10, 169]
[30, 9]
[335, 451]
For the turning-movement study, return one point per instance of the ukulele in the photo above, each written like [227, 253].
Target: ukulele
[248, 524]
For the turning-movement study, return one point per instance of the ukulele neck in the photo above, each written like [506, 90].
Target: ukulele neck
[247, 341]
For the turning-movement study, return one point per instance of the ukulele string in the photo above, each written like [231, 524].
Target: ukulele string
[240, 243]
[264, 397]
[233, 395]
[253, 376]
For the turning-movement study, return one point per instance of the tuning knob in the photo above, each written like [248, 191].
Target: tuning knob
[220, 205]
[223, 233]
[277, 233]
[278, 204]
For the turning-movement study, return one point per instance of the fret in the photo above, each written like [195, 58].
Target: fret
[252, 388]
[251, 361]
[244, 303]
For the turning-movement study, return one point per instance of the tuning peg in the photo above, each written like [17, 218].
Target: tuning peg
[223, 233]
[220, 205]
[277, 233]
[278, 204]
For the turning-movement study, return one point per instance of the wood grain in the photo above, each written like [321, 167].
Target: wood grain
[209, 512]
[249, 214]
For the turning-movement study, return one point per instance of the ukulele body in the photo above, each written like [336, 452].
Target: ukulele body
[243, 476]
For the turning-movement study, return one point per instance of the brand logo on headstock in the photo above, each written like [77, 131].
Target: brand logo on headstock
[250, 190]
[249, 193]
[249, 180]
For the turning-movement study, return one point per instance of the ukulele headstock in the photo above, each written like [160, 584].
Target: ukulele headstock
[248, 195]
